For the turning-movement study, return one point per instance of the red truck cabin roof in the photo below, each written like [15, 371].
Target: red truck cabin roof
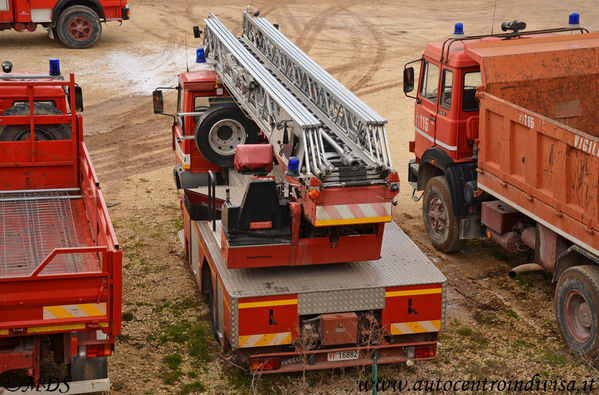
[457, 57]
[202, 80]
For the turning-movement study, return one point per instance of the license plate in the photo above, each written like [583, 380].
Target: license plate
[342, 355]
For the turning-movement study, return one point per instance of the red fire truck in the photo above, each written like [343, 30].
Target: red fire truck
[60, 263]
[287, 188]
[506, 144]
[76, 23]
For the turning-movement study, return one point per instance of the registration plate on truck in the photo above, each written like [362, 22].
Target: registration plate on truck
[342, 355]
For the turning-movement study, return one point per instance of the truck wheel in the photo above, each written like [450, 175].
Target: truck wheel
[211, 299]
[220, 130]
[441, 225]
[42, 132]
[577, 309]
[78, 27]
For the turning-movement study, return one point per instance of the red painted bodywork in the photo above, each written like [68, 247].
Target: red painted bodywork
[302, 251]
[18, 15]
[38, 165]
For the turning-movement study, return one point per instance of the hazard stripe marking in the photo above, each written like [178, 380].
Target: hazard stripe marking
[268, 339]
[74, 311]
[414, 292]
[268, 303]
[404, 328]
[353, 213]
[56, 328]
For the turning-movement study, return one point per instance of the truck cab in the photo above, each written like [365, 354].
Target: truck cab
[76, 23]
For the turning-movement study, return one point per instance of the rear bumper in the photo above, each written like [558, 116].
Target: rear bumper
[297, 361]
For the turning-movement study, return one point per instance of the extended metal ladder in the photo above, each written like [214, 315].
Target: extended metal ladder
[278, 84]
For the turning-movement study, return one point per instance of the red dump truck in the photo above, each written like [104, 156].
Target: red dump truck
[60, 263]
[76, 23]
[507, 147]
[287, 216]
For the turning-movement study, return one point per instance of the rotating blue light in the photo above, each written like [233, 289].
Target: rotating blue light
[54, 67]
[200, 56]
[574, 19]
[458, 31]
[293, 167]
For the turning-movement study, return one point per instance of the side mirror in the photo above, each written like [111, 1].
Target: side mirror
[408, 79]
[158, 102]
[197, 33]
[78, 98]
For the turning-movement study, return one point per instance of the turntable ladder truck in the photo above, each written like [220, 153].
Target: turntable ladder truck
[287, 186]
[60, 262]
[506, 146]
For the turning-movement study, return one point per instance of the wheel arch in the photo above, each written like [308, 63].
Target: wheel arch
[94, 5]
[433, 163]
[206, 273]
[573, 256]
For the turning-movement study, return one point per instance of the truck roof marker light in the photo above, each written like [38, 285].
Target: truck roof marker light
[293, 167]
[200, 56]
[54, 67]
[458, 31]
[574, 20]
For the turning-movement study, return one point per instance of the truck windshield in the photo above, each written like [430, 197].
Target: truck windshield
[472, 80]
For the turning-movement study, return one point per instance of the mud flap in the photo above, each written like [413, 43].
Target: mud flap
[457, 175]
[89, 368]
[471, 228]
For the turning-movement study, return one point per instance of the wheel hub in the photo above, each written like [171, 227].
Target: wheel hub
[437, 215]
[80, 28]
[225, 136]
[578, 316]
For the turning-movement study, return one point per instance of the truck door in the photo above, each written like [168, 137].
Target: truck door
[426, 108]
[447, 120]
[6, 11]
[22, 11]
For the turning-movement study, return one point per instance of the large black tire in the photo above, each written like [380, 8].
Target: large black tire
[78, 27]
[42, 132]
[220, 130]
[442, 227]
[577, 309]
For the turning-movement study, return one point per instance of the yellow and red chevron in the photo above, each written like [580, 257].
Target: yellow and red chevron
[405, 328]
[268, 339]
[345, 214]
[74, 311]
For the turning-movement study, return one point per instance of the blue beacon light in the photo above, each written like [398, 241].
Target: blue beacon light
[293, 167]
[200, 56]
[458, 31]
[574, 20]
[54, 67]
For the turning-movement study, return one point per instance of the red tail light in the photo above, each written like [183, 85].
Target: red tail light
[425, 352]
[98, 350]
[266, 364]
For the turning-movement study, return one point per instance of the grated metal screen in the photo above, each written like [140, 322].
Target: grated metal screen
[32, 225]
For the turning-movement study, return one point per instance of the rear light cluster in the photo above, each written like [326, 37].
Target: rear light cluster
[98, 350]
[425, 352]
[265, 364]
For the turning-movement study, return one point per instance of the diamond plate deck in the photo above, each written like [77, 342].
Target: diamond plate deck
[402, 264]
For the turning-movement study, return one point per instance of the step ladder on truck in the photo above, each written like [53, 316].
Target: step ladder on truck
[287, 187]
[60, 262]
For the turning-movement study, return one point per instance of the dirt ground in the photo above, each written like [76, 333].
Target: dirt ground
[495, 328]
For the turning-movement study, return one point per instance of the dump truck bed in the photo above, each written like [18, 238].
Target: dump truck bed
[538, 135]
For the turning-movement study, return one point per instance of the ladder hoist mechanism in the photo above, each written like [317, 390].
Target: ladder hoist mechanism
[335, 184]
